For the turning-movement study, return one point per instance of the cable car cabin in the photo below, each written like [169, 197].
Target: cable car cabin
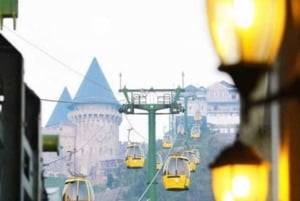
[176, 173]
[167, 142]
[134, 156]
[159, 162]
[191, 159]
[197, 116]
[197, 155]
[195, 131]
[78, 189]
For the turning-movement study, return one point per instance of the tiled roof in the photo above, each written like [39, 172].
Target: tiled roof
[95, 88]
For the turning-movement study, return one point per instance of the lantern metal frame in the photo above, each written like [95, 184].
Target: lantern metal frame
[237, 153]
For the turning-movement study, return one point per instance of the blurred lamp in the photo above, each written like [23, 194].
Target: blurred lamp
[239, 174]
[51, 143]
[247, 35]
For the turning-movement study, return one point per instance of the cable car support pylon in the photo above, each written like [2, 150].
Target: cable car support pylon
[139, 100]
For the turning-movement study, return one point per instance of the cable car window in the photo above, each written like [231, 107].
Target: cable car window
[180, 166]
[187, 170]
[138, 152]
[127, 152]
[130, 152]
[83, 193]
[172, 166]
[72, 191]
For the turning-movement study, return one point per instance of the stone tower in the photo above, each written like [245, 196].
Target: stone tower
[93, 121]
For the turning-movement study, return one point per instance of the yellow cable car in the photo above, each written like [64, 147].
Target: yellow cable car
[197, 116]
[159, 162]
[191, 159]
[167, 142]
[197, 156]
[77, 188]
[176, 173]
[195, 131]
[134, 156]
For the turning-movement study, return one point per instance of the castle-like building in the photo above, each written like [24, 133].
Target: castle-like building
[88, 128]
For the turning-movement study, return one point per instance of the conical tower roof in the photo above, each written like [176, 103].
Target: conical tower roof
[95, 88]
[59, 114]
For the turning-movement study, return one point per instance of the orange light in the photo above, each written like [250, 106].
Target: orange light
[239, 174]
[246, 31]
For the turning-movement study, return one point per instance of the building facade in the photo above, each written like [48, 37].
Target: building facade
[216, 107]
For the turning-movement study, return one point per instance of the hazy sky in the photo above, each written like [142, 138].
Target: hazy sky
[150, 42]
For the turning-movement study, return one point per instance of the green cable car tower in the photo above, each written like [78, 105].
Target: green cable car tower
[137, 100]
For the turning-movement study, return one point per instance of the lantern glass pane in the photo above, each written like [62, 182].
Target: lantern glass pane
[240, 182]
[247, 31]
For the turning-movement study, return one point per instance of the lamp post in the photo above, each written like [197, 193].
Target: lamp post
[247, 35]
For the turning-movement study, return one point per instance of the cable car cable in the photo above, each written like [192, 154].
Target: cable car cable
[53, 57]
[77, 150]
[130, 124]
